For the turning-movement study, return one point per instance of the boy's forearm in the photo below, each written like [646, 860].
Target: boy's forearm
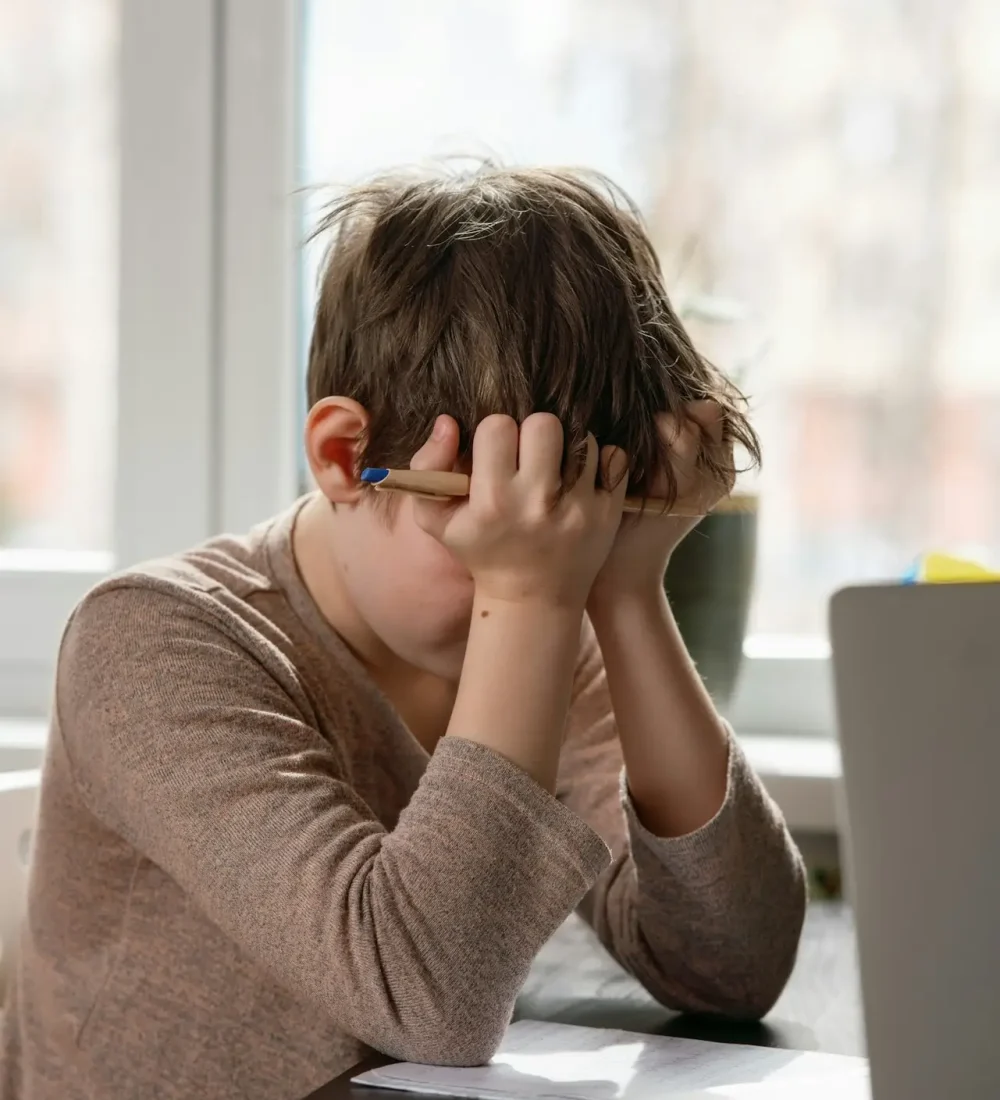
[673, 741]
[517, 681]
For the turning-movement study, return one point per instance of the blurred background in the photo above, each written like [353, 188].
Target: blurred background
[821, 179]
[829, 170]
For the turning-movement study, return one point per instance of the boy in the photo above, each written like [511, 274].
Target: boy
[332, 785]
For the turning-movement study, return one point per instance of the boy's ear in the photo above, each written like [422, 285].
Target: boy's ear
[333, 429]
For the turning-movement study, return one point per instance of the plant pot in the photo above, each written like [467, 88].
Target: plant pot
[709, 583]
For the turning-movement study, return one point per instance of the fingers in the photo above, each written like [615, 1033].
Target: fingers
[614, 470]
[531, 456]
[708, 415]
[682, 438]
[711, 419]
[540, 455]
[703, 422]
[440, 452]
[583, 487]
[588, 475]
[701, 457]
[494, 452]
[716, 450]
[701, 432]
[613, 479]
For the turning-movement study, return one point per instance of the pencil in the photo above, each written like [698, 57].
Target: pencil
[444, 485]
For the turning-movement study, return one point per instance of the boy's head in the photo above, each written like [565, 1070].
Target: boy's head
[500, 290]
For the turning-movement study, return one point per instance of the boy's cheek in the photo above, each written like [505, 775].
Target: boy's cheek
[437, 624]
[455, 572]
[430, 584]
[434, 560]
[447, 595]
[439, 587]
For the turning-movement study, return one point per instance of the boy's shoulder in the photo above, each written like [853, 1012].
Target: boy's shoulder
[231, 582]
[241, 566]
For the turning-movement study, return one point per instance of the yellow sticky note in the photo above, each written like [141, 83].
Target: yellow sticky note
[943, 569]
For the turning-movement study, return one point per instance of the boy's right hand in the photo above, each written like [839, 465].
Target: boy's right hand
[522, 536]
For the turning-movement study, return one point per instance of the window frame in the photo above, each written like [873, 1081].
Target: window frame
[209, 336]
[168, 279]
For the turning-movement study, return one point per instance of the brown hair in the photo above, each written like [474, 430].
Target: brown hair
[504, 290]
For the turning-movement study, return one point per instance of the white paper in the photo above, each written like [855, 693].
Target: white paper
[561, 1062]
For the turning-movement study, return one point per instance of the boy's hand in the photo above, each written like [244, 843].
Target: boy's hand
[643, 547]
[522, 536]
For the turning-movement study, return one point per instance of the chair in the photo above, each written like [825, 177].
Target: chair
[18, 805]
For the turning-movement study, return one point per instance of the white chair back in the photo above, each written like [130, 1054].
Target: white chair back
[18, 806]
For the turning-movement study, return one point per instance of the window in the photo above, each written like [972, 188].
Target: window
[827, 173]
[110, 331]
[58, 277]
[821, 179]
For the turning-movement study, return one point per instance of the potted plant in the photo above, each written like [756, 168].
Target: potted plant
[709, 580]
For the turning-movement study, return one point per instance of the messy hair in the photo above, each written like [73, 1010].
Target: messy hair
[504, 290]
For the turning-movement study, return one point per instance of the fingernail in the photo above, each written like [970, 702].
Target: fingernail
[440, 428]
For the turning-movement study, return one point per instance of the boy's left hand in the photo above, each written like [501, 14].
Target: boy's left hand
[643, 545]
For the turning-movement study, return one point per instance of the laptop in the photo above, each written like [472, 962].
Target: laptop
[917, 678]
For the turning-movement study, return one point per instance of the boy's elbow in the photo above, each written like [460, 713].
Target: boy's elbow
[763, 970]
[459, 1040]
[749, 978]
[458, 1047]
[757, 996]
[744, 994]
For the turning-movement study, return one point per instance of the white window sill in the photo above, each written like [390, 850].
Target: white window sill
[800, 773]
[22, 742]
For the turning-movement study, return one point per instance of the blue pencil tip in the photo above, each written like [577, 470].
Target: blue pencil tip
[374, 474]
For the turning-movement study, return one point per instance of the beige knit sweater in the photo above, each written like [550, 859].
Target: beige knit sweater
[247, 870]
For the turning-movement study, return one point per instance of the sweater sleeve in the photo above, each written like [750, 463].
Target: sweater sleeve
[196, 746]
[708, 922]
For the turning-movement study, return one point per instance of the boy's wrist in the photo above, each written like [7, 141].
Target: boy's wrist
[517, 679]
[614, 596]
[532, 616]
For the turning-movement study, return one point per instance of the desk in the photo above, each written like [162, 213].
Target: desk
[575, 981]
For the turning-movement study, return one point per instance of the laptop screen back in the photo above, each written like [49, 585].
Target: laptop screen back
[917, 675]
